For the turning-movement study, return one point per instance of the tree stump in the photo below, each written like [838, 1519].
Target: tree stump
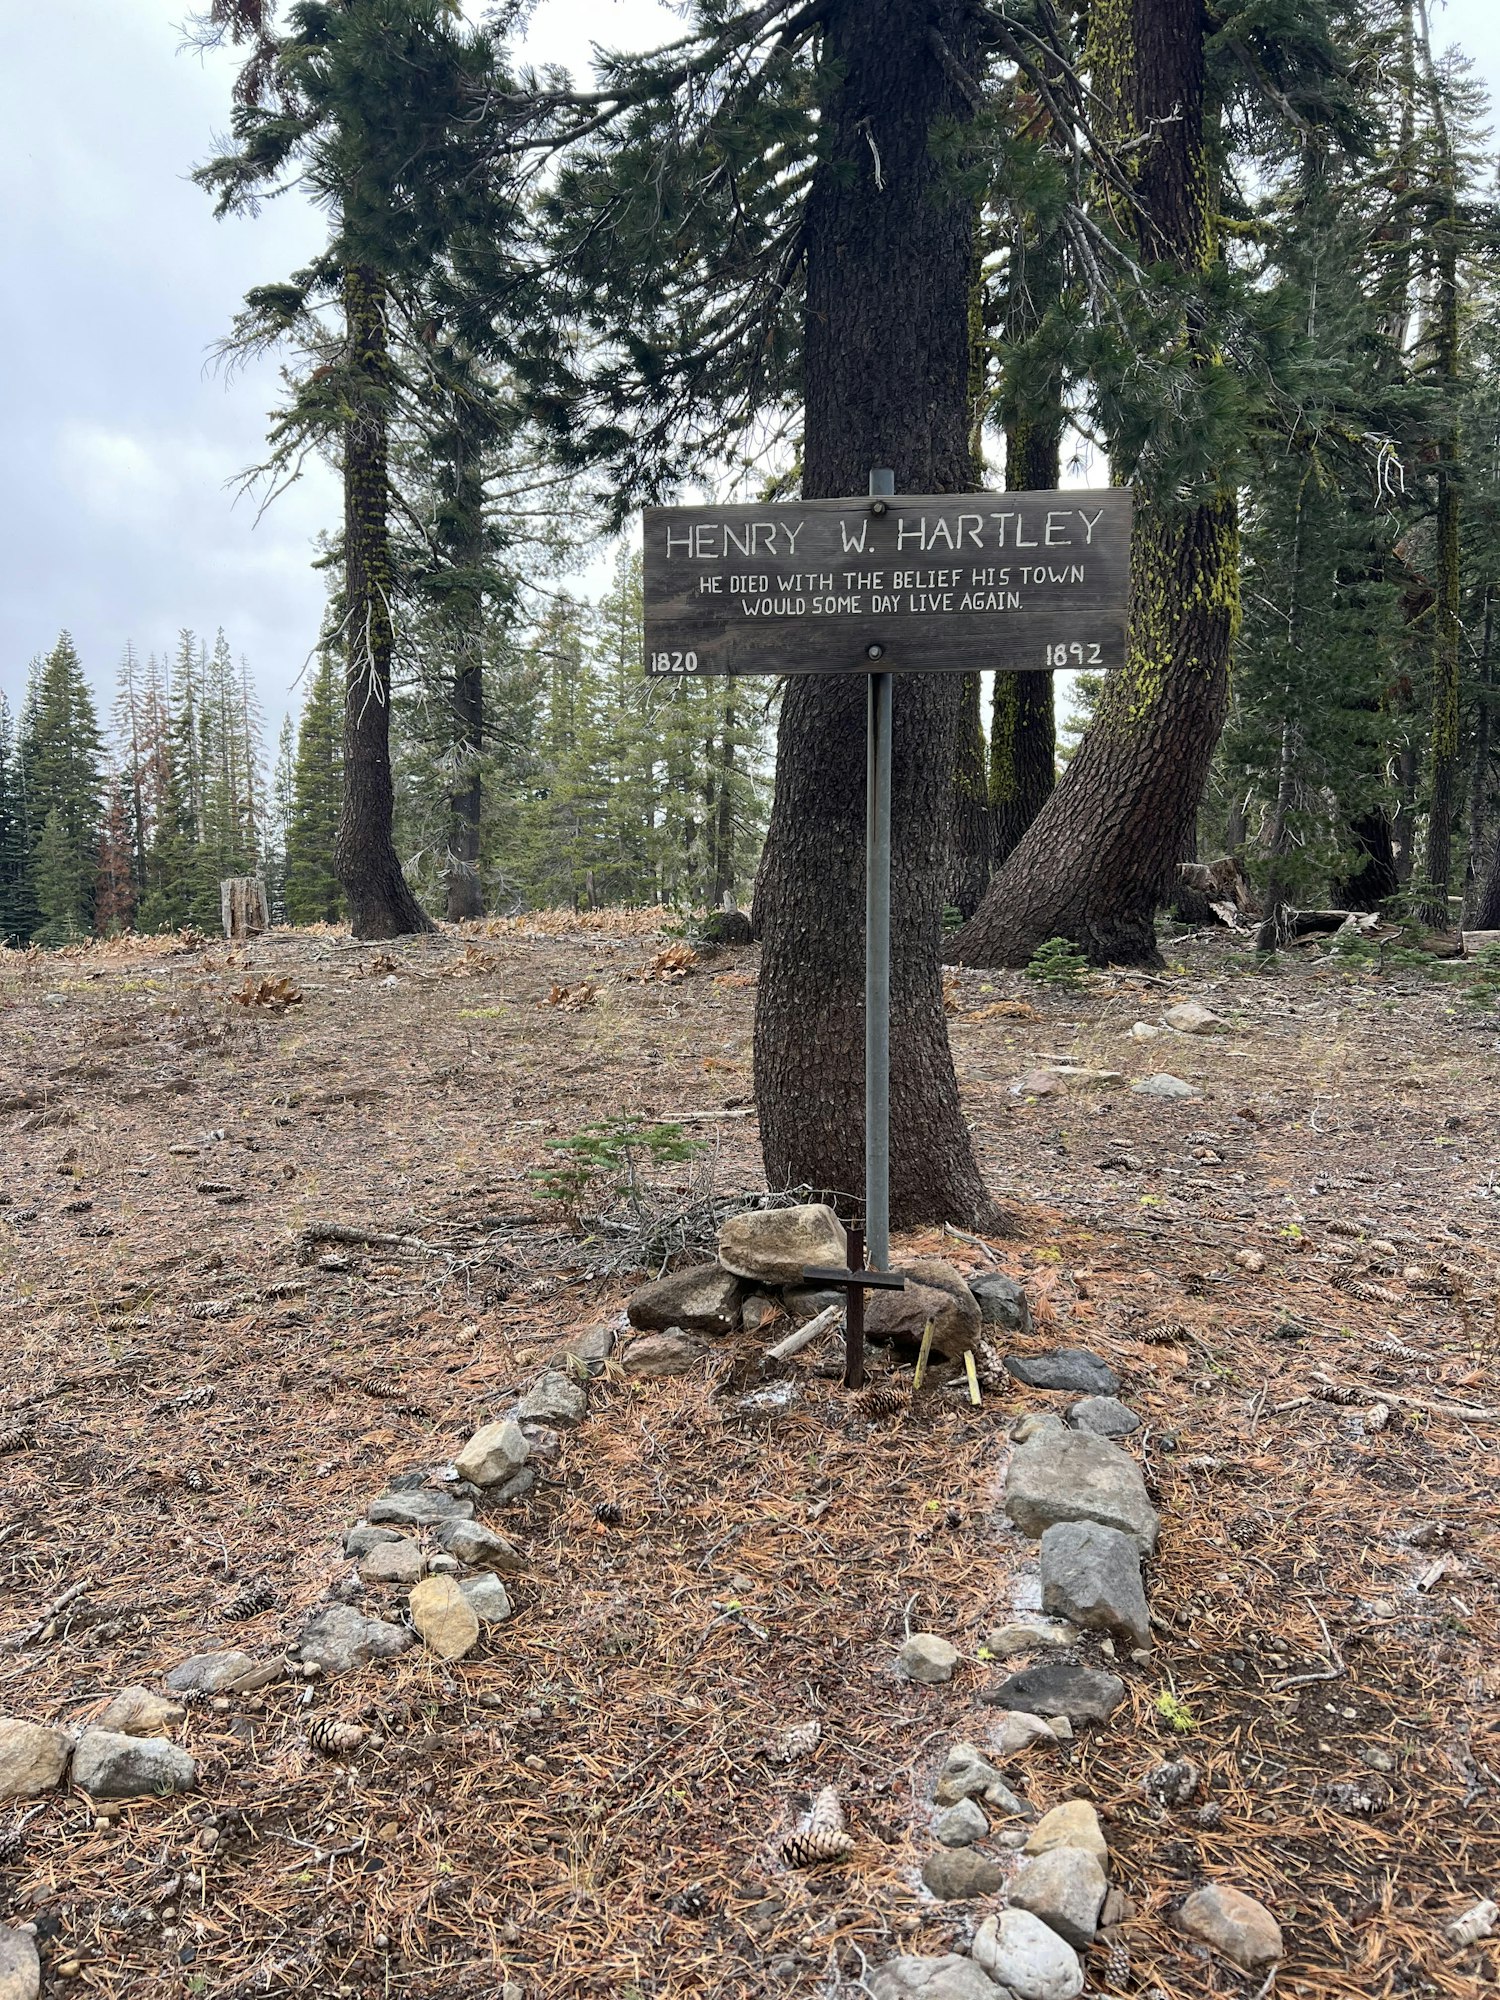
[243, 907]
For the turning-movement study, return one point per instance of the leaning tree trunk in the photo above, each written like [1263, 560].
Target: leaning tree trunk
[1102, 853]
[890, 237]
[380, 903]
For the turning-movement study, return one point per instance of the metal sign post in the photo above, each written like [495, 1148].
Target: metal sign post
[878, 947]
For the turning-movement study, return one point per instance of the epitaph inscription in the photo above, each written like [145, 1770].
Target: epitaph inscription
[1014, 582]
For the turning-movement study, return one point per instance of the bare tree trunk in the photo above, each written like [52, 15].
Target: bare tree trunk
[1102, 852]
[890, 244]
[380, 903]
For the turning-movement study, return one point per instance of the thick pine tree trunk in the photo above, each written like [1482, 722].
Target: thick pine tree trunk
[1373, 877]
[890, 245]
[380, 903]
[1102, 853]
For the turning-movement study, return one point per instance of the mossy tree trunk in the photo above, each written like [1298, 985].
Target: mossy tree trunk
[1102, 852]
[380, 903]
[890, 246]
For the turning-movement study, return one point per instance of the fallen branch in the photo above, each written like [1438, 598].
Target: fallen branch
[1334, 1672]
[1473, 1413]
[805, 1335]
[41, 1629]
[366, 1239]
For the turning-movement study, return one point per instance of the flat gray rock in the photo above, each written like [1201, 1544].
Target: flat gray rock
[421, 1507]
[1065, 1888]
[1002, 1301]
[1091, 1575]
[339, 1638]
[1027, 1957]
[954, 1874]
[927, 1656]
[209, 1673]
[1063, 1475]
[774, 1245]
[486, 1597]
[1163, 1085]
[960, 1825]
[702, 1299]
[21, 1969]
[110, 1765]
[392, 1562]
[1075, 1368]
[478, 1547]
[361, 1538]
[656, 1355]
[33, 1757]
[1082, 1694]
[1105, 1416]
[554, 1399]
[951, 1977]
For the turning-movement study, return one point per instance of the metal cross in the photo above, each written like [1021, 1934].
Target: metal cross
[854, 1283]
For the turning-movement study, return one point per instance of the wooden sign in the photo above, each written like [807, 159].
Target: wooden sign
[926, 583]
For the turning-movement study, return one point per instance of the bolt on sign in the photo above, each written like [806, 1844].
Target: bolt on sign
[925, 583]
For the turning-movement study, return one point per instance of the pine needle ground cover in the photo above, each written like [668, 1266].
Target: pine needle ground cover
[257, 1261]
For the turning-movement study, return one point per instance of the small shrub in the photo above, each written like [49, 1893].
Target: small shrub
[1058, 963]
[599, 1164]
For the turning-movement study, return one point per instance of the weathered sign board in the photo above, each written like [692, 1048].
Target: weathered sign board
[924, 583]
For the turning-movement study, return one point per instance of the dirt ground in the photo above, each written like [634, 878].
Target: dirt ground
[584, 1805]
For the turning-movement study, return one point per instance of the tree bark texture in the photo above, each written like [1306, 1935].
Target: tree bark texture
[890, 242]
[380, 903]
[466, 701]
[1373, 877]
[1101, 854]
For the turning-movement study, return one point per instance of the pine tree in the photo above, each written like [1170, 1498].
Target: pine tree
[280, 806]
[61, 758]
[115, 890]
[17, 904]
[312, 892]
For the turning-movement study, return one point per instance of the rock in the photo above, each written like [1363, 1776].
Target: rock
[1232, 1924]
[961, 1825]
[448, 1623]
[662, 1354]
[951, 1977]
[392, 1562]
[954, 1874]
[1067, 1475]
[1030, 1635]
[935, 1291]
[926, 1657]
[968, 1774]
[493, 1454]
[554, 1399]
[1191, 1017]
[479, 1546]
[1065, 1888]
[209, 1673]
[807, 1301]
[486, 1597]
[1250, 1260]
[136, 1711]
[591, 1347]
[757, 1311]
[1066, 1368]
[361, 1538]
[513, 1490]
[339, 1638]
[775, 1245]
[1092, 1575]
[1082, 1694]
[423, 1507]
[1033, 1423]
[1163, 1085]
[1105, 1416]
[1019, 1952]
[110, 1765]
[1073, 1824]
[1002, 1301]
[33, 1757]
[1061, 1077]
[1017, 1732]
[1142, 1031]
[705, 1298]
[21, 1972]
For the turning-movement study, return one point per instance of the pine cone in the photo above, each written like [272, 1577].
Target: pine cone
[194, 1480]
[331, 1736]
[197, 1399]
[609, 1513]
[411, 1410]
[1337, 1392]
[12, 1842]
[1117, 1967]
[382, 1384]
[21, 1437]
[1210, 1817]
[810, 1849]
[799, 1741]
[249, 1602]
[690, 1902]
[1173, 1784]
[827, 1815]
[882, 1401]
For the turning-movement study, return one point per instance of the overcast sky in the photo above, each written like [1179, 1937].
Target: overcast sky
[118, 517]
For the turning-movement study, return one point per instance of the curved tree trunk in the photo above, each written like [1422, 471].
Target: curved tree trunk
[1101, 854]
[890, 242]
[380, 903]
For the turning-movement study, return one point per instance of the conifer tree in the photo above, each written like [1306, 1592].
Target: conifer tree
[61, 758]
[312, 890]
[17, 905]
[115, 890]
